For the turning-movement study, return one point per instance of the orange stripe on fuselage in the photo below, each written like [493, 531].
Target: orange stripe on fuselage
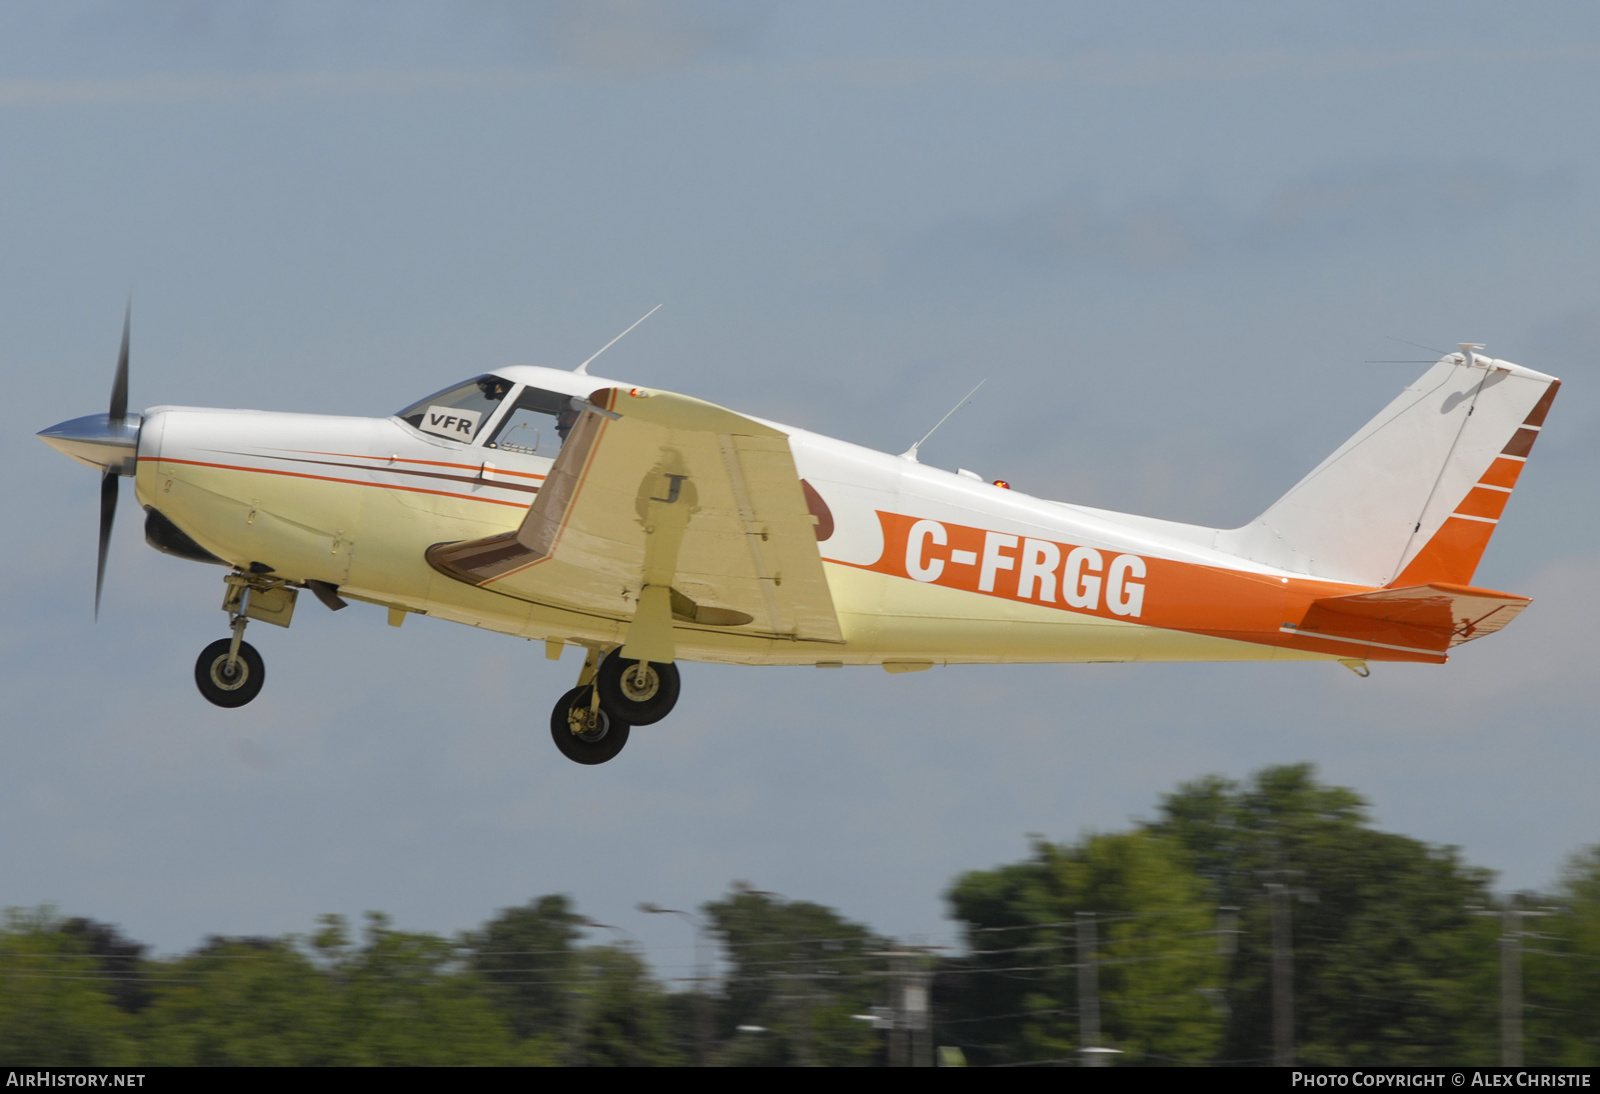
[1152, 592]
[424, 463]
[330, 478]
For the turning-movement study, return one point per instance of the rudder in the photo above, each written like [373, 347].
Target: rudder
[1414, 496]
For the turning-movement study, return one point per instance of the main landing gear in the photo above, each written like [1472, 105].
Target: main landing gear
[582, 729]
[590, 723]
[229, 672]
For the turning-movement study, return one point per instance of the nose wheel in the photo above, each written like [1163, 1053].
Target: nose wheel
[582, 729]
[229, 672]
[229, 677]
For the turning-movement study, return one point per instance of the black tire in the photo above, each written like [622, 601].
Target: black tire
[600, 742]
[222, 687]
[637, 706]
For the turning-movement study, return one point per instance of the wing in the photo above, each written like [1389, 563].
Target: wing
[656, 490]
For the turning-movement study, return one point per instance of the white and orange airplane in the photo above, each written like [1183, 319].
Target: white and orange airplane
[647, 528]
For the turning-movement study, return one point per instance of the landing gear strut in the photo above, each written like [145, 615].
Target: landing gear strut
[229, 672]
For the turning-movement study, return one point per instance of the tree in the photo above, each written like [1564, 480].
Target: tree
[55, 1009]
[253, 1002]
[798, 971]
[528, 954]
[1014, 997]
[1561, 970]
[626, 1020]
[121, 961]
[397, 998]
[1384, 947]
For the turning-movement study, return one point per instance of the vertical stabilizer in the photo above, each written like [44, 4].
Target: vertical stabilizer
[1415, 495]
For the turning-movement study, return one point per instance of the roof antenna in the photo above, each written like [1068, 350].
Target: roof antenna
[583, 369]
[911, 453]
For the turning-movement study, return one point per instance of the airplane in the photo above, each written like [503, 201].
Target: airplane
[646, 528]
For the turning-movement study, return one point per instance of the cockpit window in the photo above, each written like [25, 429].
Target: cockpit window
[537, 425]
[458, 412]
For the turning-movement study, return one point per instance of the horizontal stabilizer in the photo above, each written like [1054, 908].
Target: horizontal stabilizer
[1423, 619]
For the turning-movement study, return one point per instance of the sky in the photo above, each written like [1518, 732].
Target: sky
[1173, 238]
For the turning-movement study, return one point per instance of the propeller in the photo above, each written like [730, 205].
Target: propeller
[108, 481]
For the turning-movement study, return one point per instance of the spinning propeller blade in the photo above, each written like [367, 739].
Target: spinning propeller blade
[108, 481]
[108, 513]
[119, 386]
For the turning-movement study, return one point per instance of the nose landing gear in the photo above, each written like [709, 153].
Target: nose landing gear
[229, 672]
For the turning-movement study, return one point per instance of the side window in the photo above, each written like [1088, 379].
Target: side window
[537, 425]
[458, 412]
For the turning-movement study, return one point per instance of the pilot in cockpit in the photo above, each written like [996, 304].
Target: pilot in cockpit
[565, 421]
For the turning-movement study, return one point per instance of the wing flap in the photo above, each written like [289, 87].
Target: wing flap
[653, 488]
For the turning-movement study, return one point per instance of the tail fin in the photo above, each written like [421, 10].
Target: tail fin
[1415, 495]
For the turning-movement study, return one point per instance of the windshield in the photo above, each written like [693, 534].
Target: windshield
[537, 424]
[458, 412]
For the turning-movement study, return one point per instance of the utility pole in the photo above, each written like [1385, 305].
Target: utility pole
[909, 1016]
[577, 1000]
[1088, 994]
[796, 1001]
[1282, 977]
[1278, 896]
[915, 1005]
[1511, 987]
[702, 977]
[1510, 977]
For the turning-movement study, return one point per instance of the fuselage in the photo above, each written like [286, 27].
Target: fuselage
[925, 566]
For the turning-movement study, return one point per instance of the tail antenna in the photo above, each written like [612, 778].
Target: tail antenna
[911, 453]
[583, 369]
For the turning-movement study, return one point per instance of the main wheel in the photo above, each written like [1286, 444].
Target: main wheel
[586, 736]
[229, 685]
[638, 697]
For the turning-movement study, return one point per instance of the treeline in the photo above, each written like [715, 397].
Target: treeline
[1159, 944]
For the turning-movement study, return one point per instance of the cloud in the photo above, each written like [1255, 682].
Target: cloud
[649, 37]
[265, 85]
[1336, 206]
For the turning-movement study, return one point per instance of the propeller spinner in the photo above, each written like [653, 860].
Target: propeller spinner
[109, 442]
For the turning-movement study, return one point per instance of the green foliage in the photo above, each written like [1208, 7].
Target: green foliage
[625, 1017]
[1382, 937]
[396, 999]
[1014, 999]
[53, 1008]
[529, 955]
[1561, 970]
[119, 960]
[798, 971]
[244, 1002]
[1396, 950]
[410, 999]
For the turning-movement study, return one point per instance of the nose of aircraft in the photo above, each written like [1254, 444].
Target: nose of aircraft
[99, 441]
